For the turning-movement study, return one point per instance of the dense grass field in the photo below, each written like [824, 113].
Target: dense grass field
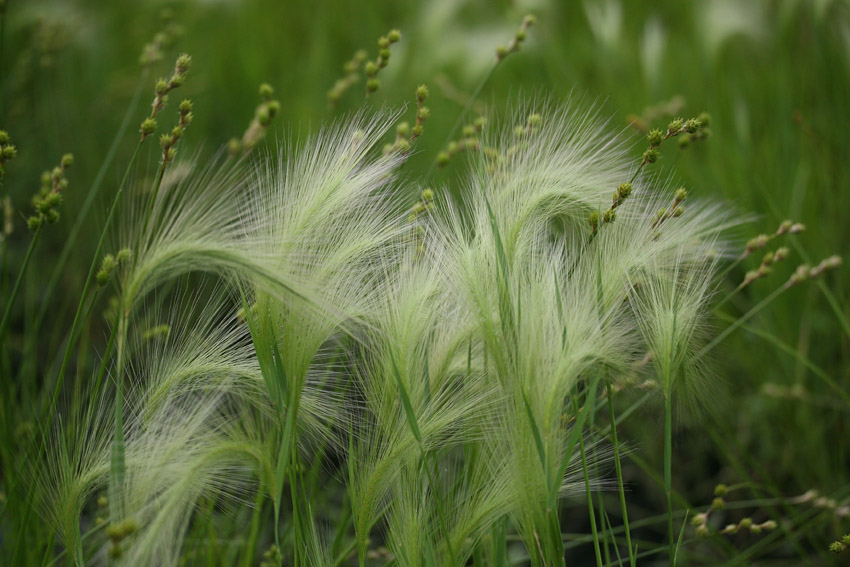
[437, 283]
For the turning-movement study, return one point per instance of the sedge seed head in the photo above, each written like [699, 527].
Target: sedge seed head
[655, 137]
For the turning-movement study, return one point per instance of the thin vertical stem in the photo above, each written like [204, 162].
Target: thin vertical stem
[467, 107]
[254, 533]
[152, 204]
[619, 468]
[116, 466]
[740, 321]
[668, 471]
[8, 311]
[590, 502]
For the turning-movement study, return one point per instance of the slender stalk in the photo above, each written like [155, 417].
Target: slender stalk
[254, 533]
[98, 383]
[740, 321]
[722, 275]
[297, 537]
[590, 503]
[668, 471]
[116, 463]
[151, 205]
[467, 107]
[8, 311]
[619, 468]
[729, 296]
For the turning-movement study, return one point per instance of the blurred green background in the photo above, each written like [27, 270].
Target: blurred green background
[773, 74]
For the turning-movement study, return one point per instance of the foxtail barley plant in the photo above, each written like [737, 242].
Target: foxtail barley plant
[281, 320]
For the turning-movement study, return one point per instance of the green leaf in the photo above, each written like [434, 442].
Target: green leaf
[679, 541]
[538, 440]
[405, 400]
[572, 438]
